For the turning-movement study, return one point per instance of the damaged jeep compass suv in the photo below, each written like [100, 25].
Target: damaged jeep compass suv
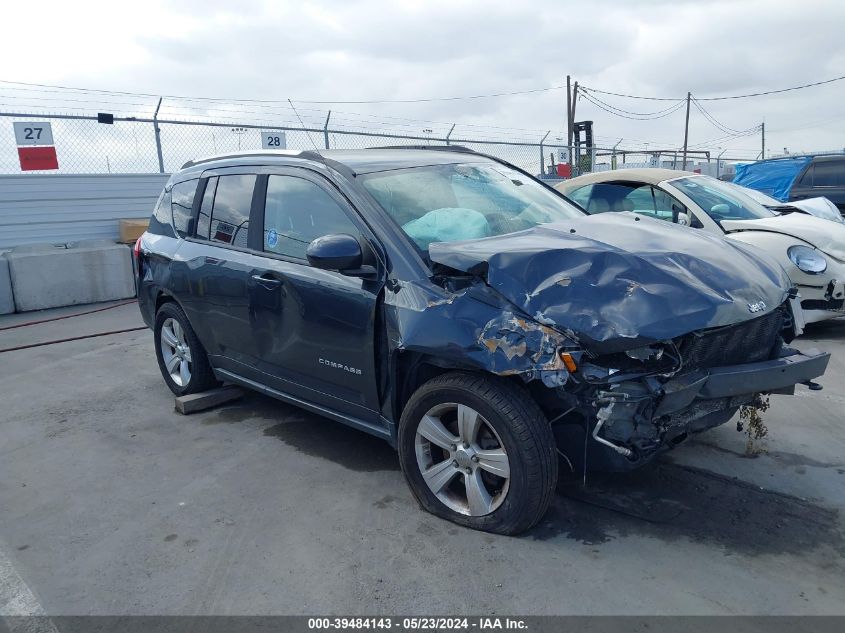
[463, 311]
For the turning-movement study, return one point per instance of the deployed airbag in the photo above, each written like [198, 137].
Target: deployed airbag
[449, 224]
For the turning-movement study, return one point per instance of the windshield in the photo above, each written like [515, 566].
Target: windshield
[448, 203]
[720, 200]
[764, 199]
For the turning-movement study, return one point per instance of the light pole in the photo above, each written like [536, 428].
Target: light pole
[240, 131]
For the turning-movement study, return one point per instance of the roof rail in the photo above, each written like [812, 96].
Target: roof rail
[289, 153]
[436, 148]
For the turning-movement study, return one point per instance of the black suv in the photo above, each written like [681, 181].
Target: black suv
[463, 311]
[823, 176]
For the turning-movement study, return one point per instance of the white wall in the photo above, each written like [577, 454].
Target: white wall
[59, 208]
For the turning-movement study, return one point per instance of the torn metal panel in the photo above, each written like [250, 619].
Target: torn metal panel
[474, 327]
[620, 281]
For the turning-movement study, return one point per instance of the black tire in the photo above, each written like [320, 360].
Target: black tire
[201, 376]
[523, 431]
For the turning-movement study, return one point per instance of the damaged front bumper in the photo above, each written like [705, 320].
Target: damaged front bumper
[779, 375]
[636, 419]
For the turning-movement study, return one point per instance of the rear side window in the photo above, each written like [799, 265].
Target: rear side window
[296, 212]
[581, 195]
[829, 173]
[230, 213]
[608, 196]
[182, 203]
[160, 223]
[204, 217]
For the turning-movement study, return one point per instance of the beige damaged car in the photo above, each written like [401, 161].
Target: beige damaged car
[810, 249]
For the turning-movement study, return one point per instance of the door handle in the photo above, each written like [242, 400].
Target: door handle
[267, 282]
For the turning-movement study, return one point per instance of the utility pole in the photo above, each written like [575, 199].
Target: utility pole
[570, 149]
[568, 111]
[763, 134]
[686, 134]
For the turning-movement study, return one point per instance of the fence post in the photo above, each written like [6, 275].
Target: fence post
[542, 157]
[326, 129]
[613, 155]
[719, 163]
[452, 129]
[158, 138]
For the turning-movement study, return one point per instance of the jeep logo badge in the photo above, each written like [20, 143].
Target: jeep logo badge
[756, 307]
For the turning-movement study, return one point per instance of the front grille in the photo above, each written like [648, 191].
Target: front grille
[747, 342]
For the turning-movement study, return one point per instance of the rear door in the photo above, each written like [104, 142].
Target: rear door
[217, 263]
[314, 329]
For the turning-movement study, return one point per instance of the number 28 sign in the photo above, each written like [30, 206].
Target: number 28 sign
[272, 139]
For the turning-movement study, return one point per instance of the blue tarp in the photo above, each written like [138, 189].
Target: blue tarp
[772, 177]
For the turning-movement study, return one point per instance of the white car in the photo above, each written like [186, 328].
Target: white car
[810, 249]
[820, 207]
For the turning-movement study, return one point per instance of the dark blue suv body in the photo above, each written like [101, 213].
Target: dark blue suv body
[463, 311]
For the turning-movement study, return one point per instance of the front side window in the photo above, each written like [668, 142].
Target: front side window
[230, 213]
[807, 177]
[638, 198]
[182, 202]
[719, 200]
[298, 211]
[829, 173]
[447, 203]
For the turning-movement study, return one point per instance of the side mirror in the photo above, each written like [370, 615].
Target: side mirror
[339, 252]
[683, 219]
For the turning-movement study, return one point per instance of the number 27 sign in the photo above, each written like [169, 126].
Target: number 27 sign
[36, 150]
[33, 133]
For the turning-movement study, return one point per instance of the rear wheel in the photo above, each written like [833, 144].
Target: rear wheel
[478, 451]
[181, 358]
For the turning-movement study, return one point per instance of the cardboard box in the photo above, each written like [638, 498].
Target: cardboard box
[131, 230]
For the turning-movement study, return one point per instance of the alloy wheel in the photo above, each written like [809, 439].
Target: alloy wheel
[462, 459]
[175, 352]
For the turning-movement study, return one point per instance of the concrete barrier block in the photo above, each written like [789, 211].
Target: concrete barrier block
[86, 273]
[7, 298]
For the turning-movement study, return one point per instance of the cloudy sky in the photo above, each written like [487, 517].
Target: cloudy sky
[310, 51]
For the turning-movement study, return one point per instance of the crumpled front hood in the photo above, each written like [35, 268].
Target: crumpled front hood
[828, 237]
[617, 281]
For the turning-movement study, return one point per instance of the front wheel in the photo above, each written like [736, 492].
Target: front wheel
[478, 451]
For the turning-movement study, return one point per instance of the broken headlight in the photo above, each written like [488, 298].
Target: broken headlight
[657, 358]
[646, 353]
[807, 259]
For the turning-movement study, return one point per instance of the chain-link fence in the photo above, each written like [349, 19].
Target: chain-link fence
[148, 145]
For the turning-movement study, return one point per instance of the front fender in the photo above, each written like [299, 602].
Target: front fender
[775, 246]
